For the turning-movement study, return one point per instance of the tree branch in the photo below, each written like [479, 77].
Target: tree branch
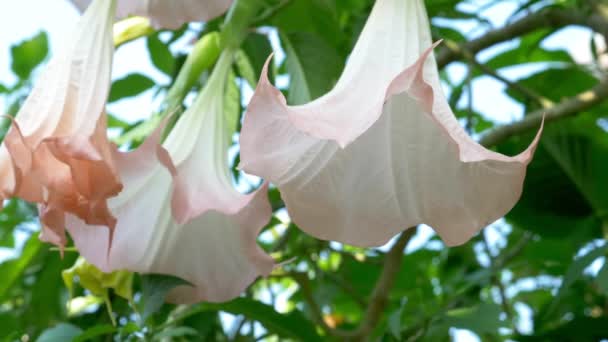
[379, 297]
[566, 108]
[317, 314]
[547, 18]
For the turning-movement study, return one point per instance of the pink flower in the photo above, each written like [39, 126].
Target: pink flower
[57, 153]
[382, 151]
[189, 221]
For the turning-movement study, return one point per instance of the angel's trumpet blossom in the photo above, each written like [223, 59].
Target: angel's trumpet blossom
[189, 221]
[382, 151]
[57, 153]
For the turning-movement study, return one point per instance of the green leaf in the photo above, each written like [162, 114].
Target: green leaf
[12, 270]
[47, 295]
[580, 328]
[3, 89]
[579, 80]
[130, 85]
[27, 55]
[580, 148]
[96, 331]
[8, 327]
[314, 17]
[161, 56]
[251, 58]
[114, 122]
[60, 333]
[98, 282]
[528, 51]
[484, 318]
[172, 333]
[129, 328]
[575, 271]
[551, 204]
[314, 66]
[155, 288]
[287, 325]
[602, 279]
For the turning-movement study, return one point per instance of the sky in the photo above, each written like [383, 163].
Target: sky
[25, 18]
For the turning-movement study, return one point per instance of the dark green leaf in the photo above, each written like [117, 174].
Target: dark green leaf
[481, 319]
[313, 65]
[60, 333]
[27, 55]
[290, 325]
[155, 288]
[254, 52]
[161, 56]
[314, 17]
[130, 85]
[602, 279]
[97, 331]
[172, 333]
[12, 270]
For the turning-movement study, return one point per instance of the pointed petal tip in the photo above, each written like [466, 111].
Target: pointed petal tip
[264, 74]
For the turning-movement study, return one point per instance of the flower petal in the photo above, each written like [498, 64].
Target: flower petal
[57, 153]
[169, 14]
[382, 151]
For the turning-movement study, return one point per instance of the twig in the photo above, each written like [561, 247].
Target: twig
[379, 297]
[548, 18]
[566, 108]
[469, 123]
[317, 314]
[496, 281]
[501, 261]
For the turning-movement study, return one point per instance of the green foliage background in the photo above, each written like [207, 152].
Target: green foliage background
[539, 261]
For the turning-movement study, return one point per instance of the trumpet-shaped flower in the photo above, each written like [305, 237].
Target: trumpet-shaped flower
[168, 13]
[189, 222]
[382, 151]
[57, 153]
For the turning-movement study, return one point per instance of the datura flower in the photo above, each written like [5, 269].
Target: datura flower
[185, 219]
[382, 151]
[57, 153]
[169, 14]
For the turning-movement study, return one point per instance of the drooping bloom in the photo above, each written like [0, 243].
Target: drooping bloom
[169, 14]
[382, 151]
[57, 153]
[189, 221]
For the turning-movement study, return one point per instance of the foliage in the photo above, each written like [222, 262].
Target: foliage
[538, 274]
